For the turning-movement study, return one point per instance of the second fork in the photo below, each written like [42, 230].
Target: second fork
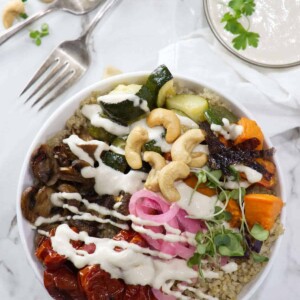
[65, 65]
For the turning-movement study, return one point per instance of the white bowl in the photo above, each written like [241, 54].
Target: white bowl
[57, 122]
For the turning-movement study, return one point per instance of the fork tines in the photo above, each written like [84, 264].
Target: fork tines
[56, 74]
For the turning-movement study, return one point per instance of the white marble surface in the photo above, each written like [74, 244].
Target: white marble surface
[131, 39]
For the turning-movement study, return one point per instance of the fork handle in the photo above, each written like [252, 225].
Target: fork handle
[7, 34]
[102, 11]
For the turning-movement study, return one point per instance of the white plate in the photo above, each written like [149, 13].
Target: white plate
[277, 23]
[57, 122]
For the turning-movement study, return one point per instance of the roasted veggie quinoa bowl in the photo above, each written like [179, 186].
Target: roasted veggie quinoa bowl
[145, 186]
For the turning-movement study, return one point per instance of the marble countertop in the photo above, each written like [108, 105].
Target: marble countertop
[131, 38]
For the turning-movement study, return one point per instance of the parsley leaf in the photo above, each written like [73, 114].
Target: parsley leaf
[244, 37]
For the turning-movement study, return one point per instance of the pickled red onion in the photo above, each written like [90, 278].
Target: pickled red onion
[161, 296]
[150, 206]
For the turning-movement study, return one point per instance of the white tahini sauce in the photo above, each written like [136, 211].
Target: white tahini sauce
[93, 113]
[229, 131]
[107, 180]
[251, 174]
[127, 264]
[199, 206]
[187, 122]
[156, 133]
[115, 98]
[230, 267]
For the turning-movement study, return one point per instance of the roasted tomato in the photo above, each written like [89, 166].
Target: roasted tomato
[98, 285]
[138, 292]
[51, 259]
[62, 284]
[130, 237]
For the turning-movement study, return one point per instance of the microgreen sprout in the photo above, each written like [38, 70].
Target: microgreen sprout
[244, 37]
[37, 35]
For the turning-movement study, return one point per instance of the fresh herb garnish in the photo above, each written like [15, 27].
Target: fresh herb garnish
[258, 257]
[244, 37]
[37, 35]
[259, 233]
[23, 15]
[216, 242]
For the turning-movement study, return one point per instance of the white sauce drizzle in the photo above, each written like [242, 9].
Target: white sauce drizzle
[117, 181]
[43, 232]
[156, 133]
[57, 200]
[229, 131]
[127, 264]
[232, 185]
[251, 174]
[117, 205]
[187, 122]
[115, 98]
[93, 113]
[199, 206]
[117, 149]
[230, 267]
[56, 218]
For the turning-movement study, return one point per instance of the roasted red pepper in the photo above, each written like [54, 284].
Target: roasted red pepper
[98, 285]
[62, 284]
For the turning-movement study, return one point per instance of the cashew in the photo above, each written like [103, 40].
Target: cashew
[171, 172]
[199, 159]
[184, 145]
[157, 162]
[136, 139]
[12, 10]
[168, 119]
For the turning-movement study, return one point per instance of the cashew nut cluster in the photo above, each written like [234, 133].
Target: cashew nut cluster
[168, 175]
[157, 162]
[168, 119]
[135, 141]
[11, 11]
[184, 145]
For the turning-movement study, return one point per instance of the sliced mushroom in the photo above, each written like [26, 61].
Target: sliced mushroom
[124, 207]
[44, 166]
[63, 155]
[72, 173]
[28, 203]
[43, 204]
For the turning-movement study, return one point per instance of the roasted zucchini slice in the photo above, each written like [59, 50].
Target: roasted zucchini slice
[193, 106]
[216, 113]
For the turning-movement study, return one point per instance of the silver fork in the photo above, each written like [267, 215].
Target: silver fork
[65, 65]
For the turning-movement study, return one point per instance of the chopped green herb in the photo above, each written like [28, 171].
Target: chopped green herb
[23, 15]
[244, 37]
[259, 233]
[37, 35]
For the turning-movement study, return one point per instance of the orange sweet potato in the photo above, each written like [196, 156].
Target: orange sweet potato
[270, 167]
[251, 130]
[262, 209]
[191, 181]
[236, 214]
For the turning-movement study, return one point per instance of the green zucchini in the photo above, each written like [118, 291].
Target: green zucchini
[126, 111]
[150, 90]
[100, 134]
[193, 106]
[150, 146]
[115, 161]
[165, 92]
[215, 114]
[119, 142]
